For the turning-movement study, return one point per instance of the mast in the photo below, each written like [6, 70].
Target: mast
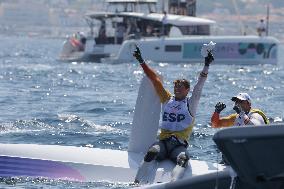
[267, 19]
[239, 17]
[164, 6]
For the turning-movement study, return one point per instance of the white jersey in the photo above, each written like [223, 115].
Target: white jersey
[254, 119]
[176, 116]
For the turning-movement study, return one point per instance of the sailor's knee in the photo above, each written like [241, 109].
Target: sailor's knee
[152, 153]
[182, 159]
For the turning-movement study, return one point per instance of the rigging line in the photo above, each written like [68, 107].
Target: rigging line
[239, 17]
[267, 19]
[217, 173]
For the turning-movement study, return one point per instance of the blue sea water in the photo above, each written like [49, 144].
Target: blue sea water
[44, 101]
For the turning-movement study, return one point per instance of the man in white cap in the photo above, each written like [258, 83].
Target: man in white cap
[245, 115]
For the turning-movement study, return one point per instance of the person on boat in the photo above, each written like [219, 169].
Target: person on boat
[245, 114]
[78, 41]
[164, 23]
[83, 41]
[178, 116]
[120, 32]
[132, 30]
[261, 28]
[149, 31]
[182, 7]
[102, 37]
[173, 6]
[191, 8]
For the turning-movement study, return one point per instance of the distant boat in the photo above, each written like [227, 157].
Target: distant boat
[164, 38]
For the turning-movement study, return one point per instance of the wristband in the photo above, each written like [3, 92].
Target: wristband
[203, 74]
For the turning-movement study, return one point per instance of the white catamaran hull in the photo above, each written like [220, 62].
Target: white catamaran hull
[83, 164]
[229, 49]
[246, 50]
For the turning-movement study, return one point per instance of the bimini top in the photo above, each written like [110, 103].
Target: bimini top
[172, 19]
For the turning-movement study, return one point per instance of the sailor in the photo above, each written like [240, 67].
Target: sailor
[120, 31]
[78, 42]
[83, 41]
[102, 37]
[178, 116]
[261, 28]
[245, 114]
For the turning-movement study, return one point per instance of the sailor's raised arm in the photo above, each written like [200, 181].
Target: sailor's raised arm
[152, 75]
[197, 90]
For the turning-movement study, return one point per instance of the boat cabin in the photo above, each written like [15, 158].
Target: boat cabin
[115, 27]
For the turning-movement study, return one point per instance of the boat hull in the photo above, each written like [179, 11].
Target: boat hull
[244, 50]
[84, 164]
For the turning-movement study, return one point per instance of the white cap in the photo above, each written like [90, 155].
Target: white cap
[242, 96]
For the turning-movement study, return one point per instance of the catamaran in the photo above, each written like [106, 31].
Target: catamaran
[162, 38]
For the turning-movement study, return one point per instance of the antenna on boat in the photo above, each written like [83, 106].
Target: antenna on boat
[267, 19]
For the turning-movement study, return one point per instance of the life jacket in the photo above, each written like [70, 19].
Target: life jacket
[239, 121]
[266, 120]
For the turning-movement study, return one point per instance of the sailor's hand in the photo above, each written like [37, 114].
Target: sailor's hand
[237, 108]
[138, 56]
[209, 58]
[206, 52]
[219, 107]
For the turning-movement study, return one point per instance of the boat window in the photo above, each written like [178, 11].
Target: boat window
[173, 48]
[133, 6]
[195, 30]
